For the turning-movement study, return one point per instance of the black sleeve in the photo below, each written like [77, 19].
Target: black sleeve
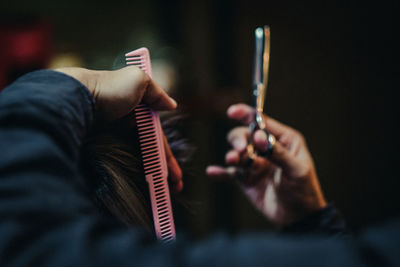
[325, 221]
[46, 219]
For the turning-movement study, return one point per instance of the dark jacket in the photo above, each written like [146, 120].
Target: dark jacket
[47, 219]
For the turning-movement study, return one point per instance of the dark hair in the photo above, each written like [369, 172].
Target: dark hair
[111, 162]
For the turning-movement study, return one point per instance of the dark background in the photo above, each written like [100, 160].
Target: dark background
[333, 75]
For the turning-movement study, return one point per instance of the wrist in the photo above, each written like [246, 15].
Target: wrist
[326, 220]
[306, 198]
[87, 77]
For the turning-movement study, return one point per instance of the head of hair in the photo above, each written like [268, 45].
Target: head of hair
[113, 169]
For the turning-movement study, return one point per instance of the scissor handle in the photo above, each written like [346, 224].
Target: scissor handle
[251, 151]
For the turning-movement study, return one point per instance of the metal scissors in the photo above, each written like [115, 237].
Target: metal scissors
[260, 83]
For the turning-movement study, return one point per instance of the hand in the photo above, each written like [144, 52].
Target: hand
[118, 92]
[285, 186]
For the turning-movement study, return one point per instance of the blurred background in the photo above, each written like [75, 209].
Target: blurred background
[333, 75]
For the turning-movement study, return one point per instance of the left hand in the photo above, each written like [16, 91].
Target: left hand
[285, 186]
[118, 92]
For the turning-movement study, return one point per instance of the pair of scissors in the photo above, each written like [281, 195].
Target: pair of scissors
[260, 83]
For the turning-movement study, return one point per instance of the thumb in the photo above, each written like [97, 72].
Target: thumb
[157, 98]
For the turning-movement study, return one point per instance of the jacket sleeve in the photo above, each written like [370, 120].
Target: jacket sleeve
[324, 221]
[46, 218]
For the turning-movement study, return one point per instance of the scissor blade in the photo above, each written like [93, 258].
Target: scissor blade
[267, 43]
[261, 66]
[258, 57]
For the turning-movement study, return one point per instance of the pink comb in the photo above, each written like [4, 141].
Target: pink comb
[153, 155]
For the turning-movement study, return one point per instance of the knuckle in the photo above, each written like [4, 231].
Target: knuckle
[304, 173]
[140, 76]
[297, 134]
[301, 137]
[144, 79]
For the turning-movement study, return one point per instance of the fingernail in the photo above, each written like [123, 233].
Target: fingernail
[230, 157]
[209, 169]
[231, 109]
[261, 140]
[239, 144]
[177, 188]
[173, 102]
[260, 135]
[213, 170]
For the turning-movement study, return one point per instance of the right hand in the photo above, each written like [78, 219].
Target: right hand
[285, 186]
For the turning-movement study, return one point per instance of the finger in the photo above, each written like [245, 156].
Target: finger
[294, 146]
[275, 127]
[174, 171]
[249, 177]
[280, 155]
[260, 140]
[235, 158]
[232, 157]
[245, 114]
[238, 137]
[258, 171]
[285, 159]
[242, 113]
[156, 97]
[178, 187]
[220, 173]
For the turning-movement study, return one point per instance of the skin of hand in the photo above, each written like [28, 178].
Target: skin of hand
[285, 186]
[118, 92]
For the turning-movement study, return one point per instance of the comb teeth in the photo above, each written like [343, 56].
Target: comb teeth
[153, 155]
[141, 59]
